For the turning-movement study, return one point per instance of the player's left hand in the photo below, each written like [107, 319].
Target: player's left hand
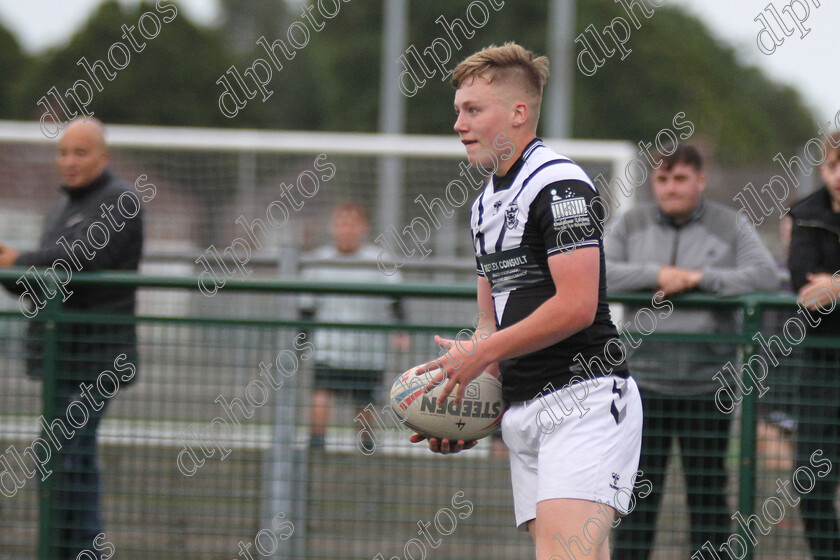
[444, 446]
[818, 293]
[462, 362]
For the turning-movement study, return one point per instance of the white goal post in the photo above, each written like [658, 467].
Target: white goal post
[617, 152]
[206, 178]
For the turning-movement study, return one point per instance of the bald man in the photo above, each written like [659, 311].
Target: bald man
[97, 225]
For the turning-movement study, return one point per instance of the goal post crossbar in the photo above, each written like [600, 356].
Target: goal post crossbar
[618, 152]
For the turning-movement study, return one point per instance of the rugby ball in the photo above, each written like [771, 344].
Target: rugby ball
[475, 417]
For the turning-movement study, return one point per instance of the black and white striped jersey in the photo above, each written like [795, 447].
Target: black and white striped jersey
[541, 207]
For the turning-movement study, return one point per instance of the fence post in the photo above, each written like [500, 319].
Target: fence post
[51, 316]
[286, 464]
[747, 463]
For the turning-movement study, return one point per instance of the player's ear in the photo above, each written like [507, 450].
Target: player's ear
[520, 113]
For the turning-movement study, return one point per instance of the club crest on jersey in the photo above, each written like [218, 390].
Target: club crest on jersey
[568, 211]
[512, 215]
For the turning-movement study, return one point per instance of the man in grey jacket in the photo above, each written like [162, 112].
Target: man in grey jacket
[683, 243]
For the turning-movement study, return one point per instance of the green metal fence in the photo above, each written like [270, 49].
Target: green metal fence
[207, 453]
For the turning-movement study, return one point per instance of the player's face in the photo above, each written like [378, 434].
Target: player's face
[349, 230]
[81, 155]
[483, 113]
[830, 171]
[678, 190]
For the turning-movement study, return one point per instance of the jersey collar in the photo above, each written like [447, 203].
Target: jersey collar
[505, 181]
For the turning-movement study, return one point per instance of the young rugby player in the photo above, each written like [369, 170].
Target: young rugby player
[537, 238]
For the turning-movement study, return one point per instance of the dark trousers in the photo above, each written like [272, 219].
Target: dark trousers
[702, 432]
[818, 440]
[75, 500]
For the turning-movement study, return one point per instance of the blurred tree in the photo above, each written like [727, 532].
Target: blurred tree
[332, 84]
[296, 103]
[172, 81]
[675, 65]
[247, 20]
[345, 68]
[12, 63]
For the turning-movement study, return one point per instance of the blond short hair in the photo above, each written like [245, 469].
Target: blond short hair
[510, 62]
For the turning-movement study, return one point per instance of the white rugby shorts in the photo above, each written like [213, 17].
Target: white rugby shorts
[581, 441]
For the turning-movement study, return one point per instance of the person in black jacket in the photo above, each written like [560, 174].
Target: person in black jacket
[814, 264]
[97, 225]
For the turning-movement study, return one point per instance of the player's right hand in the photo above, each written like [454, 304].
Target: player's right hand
[443, 446]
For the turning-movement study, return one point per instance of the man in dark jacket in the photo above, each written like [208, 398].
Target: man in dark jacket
[814, 264]
[97, 225]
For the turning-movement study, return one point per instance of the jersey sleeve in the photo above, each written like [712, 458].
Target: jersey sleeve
[479, 270]
[569, 215]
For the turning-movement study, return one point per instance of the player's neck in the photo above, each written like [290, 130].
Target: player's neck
[508, 161]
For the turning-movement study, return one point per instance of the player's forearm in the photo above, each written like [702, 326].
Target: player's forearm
[487, 314]
[553, 321]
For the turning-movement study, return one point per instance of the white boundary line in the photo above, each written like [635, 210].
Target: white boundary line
[157, 433]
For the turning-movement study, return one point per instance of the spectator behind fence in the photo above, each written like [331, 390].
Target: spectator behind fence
[348, 360]
[814, 263]
[85, 349]
[681, 244]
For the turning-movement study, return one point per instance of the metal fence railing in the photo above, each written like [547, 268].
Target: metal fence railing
[206, 450]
